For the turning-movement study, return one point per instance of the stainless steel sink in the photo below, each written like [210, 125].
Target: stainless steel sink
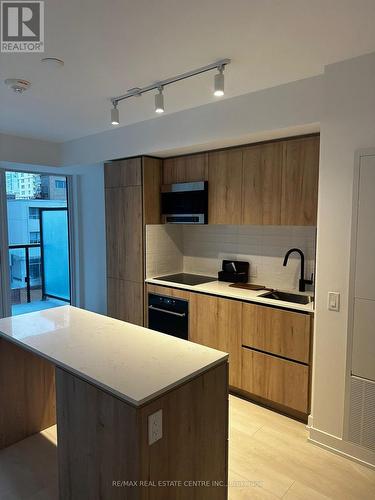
[289, 297]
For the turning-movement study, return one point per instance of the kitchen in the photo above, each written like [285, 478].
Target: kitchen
[214, 269]
[217, 340]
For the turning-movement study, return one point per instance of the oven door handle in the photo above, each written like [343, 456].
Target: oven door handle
[158, 309]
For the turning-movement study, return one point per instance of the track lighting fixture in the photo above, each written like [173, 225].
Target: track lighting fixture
[159, 101]
[219, 82]
[115, 115]
[159, 86]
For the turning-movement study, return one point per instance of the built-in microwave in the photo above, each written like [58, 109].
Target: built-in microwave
[185, 203]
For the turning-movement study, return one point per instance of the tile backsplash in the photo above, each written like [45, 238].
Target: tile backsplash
[164, 249]
[200, 249]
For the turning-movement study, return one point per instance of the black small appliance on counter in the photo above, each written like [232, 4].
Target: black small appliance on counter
[234, 271]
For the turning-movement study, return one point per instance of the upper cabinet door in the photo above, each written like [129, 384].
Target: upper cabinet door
[185, 169]
[225, 187]
[123, 173]
[124, 233]
[261, 189]
[300, 182]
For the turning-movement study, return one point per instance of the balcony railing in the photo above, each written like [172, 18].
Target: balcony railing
[26, 274]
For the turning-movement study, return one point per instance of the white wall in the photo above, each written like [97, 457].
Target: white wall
[31, 151]
[347, 124]
[89, 230]
[235, 120]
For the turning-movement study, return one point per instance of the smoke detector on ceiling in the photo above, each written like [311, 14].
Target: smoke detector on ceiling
[53, 62]
[18, 85]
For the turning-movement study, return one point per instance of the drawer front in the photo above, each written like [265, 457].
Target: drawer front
[285, 333]
[168, 292]
[275, 379]
[216, 323]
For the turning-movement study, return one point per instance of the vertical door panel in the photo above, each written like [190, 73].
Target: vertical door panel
[365, 255]
[261, 190]
[55, 252]
[124, 233]
[225, 187]
[363, 359]
[300, 182]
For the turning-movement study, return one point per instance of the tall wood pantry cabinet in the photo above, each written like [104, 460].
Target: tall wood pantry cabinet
[132, 200]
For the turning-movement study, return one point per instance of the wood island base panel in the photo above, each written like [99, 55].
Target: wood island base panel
[104, 451]
[140, 415]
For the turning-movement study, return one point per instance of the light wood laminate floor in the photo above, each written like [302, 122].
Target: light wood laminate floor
[269, 458]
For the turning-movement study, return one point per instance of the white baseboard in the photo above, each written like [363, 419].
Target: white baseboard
[344, 448]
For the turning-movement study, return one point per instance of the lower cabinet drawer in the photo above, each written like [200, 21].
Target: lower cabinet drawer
[278, 380]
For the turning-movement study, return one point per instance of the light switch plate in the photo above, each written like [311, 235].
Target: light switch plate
[155, 427]
[333, 301]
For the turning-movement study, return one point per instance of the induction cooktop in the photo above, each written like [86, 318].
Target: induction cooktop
[187, 279]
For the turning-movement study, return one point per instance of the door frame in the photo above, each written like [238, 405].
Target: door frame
[5, 293]
[359, 155]
[5, 302]
[50, 209]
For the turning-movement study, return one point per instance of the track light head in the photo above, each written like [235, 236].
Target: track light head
[219, 82]
[159, 101]
[115, 115]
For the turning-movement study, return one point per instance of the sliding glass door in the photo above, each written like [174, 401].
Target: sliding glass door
[54, 244]
[35, 242]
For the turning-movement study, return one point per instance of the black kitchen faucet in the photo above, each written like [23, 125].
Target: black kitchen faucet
[302, 282]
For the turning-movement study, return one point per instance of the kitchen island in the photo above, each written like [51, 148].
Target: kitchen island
[140, 414]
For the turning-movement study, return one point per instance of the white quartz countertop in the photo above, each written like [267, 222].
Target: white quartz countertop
[223, 289]
[131, 362]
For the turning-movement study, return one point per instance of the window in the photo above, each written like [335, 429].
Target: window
[33, 213]
[60, 184]
[34, 237]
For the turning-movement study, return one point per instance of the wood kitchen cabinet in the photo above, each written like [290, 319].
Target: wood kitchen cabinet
[132, 197]
[125, 300]
[123, 173]
[261, 185]
[124, 233]
[276, 356]
[275, 379]
[300, 182]
[280, 332]
[274, 183]
[225, 187]
[189, 168]
[216, 322]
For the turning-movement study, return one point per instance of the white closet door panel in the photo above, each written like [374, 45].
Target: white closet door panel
[365, 256]
[363, 360]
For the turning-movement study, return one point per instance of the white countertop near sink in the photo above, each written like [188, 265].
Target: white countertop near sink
[223, 289]
[131, 362]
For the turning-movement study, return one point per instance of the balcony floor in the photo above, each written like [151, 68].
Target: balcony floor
[36, 305]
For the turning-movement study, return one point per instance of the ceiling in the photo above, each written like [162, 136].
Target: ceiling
[111, 46]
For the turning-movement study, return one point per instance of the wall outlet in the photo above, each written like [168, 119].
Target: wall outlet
[333, 301]
[155, 427]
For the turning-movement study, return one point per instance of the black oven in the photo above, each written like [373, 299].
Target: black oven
[168, 315]
[185, 203]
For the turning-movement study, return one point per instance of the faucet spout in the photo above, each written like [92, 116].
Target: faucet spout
[302, 281]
